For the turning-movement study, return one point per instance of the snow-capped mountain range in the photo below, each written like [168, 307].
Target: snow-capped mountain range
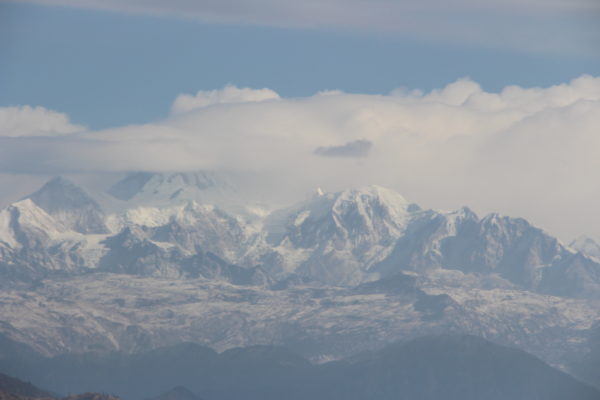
[163, 258]
[338, 239]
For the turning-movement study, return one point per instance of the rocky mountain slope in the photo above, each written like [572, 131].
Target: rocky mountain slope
[110, 312]
[339, 239]
[336, 274]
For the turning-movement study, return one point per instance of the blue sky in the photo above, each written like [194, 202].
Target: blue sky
[108, 68]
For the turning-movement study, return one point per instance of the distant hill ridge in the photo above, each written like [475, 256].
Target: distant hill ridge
[449, 367]
[15, 389]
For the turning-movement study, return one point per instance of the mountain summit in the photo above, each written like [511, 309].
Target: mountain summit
[587, 246]
[70, 205]
[164, 188]
[353, 268]
[335, 237]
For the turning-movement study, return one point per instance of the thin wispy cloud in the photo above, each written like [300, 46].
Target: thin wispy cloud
[556, 26]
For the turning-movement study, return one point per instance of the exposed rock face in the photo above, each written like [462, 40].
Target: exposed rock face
[340, 239]
[334, 275]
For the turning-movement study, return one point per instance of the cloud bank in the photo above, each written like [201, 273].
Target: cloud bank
[228, 95]
[529, 152]
[34, 121]
[556, 26]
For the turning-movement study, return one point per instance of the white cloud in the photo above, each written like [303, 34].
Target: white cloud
[556, 26]
[229, 94]
[528, 152]
[34, 121]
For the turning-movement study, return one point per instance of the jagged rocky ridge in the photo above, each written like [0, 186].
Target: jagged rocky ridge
[333, 275]
[339, 239]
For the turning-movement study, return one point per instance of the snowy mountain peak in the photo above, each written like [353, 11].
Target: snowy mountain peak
[70, 205]
[368, 194]
[467, 213]
[370, 208]
[24, 221]
[341, 238]
[587, 246]
[147, 188]
[60, 194]
[344, 233]
[354, 209]
[29, 213]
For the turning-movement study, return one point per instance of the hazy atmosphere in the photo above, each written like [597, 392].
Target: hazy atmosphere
[294, 174]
